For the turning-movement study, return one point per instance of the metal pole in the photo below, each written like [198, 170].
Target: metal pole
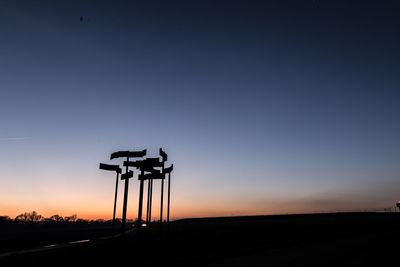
[148, 201]
[125, 202]
[151, 199]
[115, 204]
[162, 198]
[169, 186]
[140, 204]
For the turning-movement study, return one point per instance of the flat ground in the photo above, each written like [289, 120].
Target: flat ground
[16, 236]
[339, 239]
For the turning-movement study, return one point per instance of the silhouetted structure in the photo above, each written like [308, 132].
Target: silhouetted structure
[149, 200]
[168, 171]
[141, 165]
[398, 205]
[118, 170]
[148, 166]
[127, 155]
[164, 158]
[148, 171]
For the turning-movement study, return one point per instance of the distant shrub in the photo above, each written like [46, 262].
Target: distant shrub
[71, 218]
[29, 217]
[57, 218]
[82, 221]
[5, 218]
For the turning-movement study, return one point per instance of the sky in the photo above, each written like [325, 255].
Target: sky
[264, 107]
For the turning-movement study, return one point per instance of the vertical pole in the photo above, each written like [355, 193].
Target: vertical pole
[148, 202]
[140, 204]
[162, 199]
[115, 204]
[151, 199]
[169, 186]
[125, 202]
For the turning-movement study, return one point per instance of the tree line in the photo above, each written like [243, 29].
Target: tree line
[34, 217]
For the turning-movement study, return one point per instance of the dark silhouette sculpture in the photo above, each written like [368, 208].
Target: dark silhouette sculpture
[168, 171]
[127, 175]
[146, 165]
[164, 158]
[127, 155]
[148, 171]
[149, 201]
[139, 165]
[118, 170]
[156, 163]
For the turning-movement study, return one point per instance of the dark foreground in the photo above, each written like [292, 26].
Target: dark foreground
[341, 239]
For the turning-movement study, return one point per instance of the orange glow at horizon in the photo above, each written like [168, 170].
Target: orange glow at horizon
[178, 211]
[89, 193]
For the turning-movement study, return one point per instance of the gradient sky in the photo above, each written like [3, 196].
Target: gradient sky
[264, 107]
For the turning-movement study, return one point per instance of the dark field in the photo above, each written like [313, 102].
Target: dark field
[340, 239]
[20, 236]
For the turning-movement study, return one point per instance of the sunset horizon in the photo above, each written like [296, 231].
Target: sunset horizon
[133, 115]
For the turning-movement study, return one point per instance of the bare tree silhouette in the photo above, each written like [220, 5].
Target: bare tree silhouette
[29, 217]
[57, 218]
[71, 218]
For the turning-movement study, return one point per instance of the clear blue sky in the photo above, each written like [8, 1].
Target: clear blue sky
[278, 107]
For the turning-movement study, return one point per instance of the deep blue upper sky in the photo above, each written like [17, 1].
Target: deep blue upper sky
[257, 102]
